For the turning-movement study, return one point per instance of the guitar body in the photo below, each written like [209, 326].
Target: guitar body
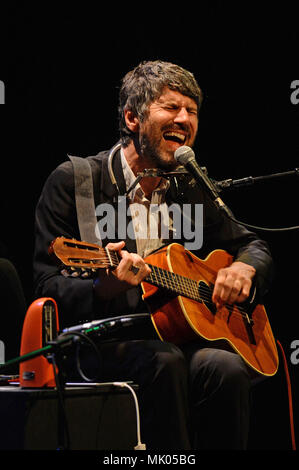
[179, 319]
[178, 292]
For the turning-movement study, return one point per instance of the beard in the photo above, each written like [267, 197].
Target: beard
[149, 148]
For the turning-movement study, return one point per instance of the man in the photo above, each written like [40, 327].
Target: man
[158, 112]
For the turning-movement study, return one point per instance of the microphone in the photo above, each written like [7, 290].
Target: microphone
[186, 157]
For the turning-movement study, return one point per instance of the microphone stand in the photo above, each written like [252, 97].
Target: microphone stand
[249, 180]
[154, 172]
[53, 352]
[219, 186]
[224, 184]
[49, 348]
[230, 183]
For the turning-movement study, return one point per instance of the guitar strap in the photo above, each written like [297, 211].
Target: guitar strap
[86, 212]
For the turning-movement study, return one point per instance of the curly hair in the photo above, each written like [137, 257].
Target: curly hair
[145, 83]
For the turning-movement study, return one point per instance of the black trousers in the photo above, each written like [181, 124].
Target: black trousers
[190, 398]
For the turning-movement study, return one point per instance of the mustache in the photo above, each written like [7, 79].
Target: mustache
[177, 127]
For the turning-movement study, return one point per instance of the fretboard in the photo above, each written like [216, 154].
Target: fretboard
[176, 283]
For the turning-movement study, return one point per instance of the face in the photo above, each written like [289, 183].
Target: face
[172, 121]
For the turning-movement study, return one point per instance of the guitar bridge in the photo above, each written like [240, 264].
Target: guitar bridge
[248, 322]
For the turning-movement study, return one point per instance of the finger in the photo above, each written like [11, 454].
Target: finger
[115, 246]
[125, 265]
[235, 290]
[227, 288]
[143, 272]
[232, 285]
[245, 291]
[132, 268]
[139, 268]
[135, 269]
[220, 288]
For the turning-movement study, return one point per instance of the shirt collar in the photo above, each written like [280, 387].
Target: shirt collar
[130, 178]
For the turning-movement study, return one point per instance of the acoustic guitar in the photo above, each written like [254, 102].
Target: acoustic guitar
[178, 292]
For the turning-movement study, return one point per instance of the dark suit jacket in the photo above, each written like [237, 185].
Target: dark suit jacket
[56, 216]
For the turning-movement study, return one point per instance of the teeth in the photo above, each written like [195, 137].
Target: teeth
[179, 136]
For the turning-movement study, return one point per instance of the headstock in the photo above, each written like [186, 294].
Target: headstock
[79, 258]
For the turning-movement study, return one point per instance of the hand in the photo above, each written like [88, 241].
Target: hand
[233, 284]
[113, 282]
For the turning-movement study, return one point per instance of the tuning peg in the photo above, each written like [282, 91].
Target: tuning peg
[75, 273]
[71, 271]
[84, 272]
[65, 272]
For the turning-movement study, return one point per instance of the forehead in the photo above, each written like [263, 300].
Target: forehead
[176, 97]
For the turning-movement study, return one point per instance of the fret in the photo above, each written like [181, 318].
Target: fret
[159, 277]
[247, 324]
[176, 283]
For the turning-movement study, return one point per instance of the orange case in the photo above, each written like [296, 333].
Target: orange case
[41, 320]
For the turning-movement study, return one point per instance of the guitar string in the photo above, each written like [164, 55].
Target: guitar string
[190, 284]
[107, 254]
[195, 288]
[187, 286]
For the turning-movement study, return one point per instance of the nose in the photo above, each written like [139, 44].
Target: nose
[182, 116]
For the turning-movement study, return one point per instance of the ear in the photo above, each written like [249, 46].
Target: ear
[132, 121]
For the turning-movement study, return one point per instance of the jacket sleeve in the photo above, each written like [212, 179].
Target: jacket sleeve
[243, 244]
[221, 232]
[56, 216]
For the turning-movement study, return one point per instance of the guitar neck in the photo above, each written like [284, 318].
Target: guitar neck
[175, 283]
[75, 254]
[179, 285]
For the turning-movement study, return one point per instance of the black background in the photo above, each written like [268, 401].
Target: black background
[62, 68]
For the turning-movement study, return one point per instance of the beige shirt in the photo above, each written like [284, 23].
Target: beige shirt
[150, 218]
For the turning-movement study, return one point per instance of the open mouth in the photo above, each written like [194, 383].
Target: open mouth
[175, 136]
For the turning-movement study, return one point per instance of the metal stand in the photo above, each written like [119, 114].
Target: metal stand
[54, 351]
[249, 180]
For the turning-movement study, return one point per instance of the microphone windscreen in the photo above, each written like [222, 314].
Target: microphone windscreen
[184, 154]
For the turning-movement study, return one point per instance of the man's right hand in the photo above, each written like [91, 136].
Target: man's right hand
[111, 283]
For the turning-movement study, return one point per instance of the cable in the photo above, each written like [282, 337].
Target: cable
[264, 229]
[250, 180]
[139, 445]
[97, 353]
[289, 397]
[62, 418]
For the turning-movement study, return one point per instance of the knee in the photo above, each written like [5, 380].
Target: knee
[154, 362]
[233, 371]
[170, 358]
[220, 368]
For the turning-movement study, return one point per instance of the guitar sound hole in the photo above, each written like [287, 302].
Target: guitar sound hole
[205, 293]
